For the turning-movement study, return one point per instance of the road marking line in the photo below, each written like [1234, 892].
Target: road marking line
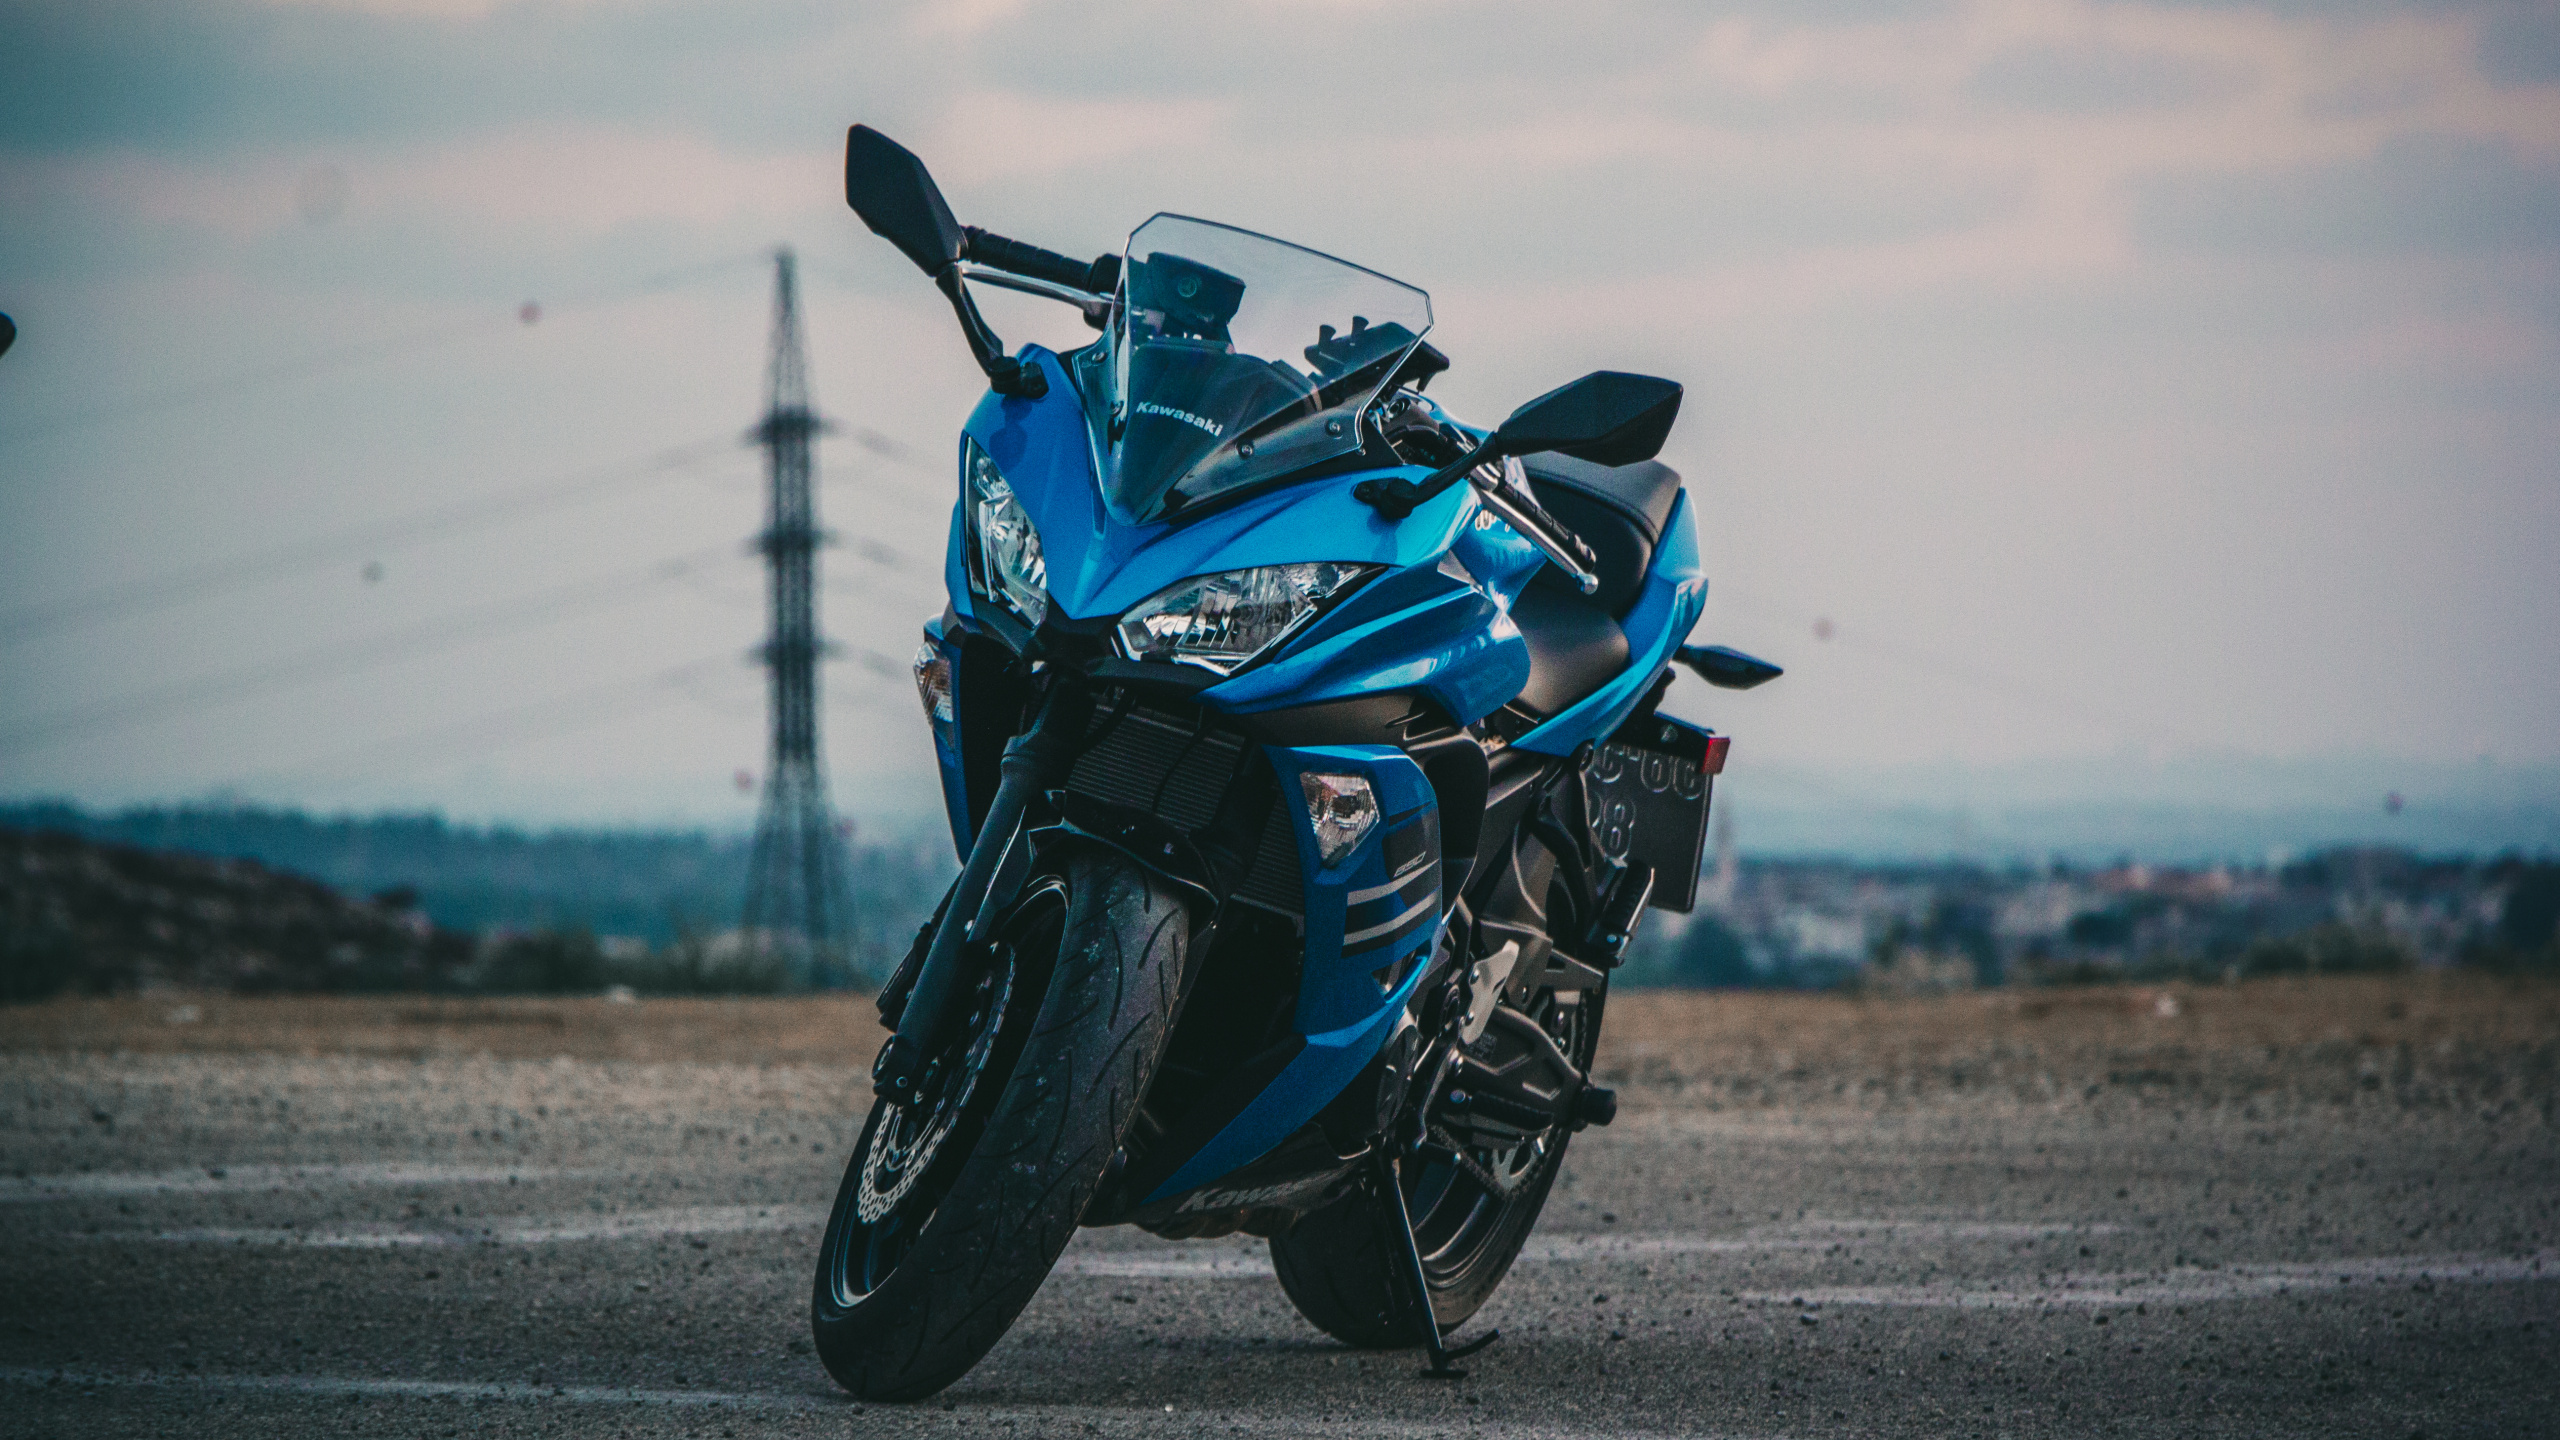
[1166, 1263]
[1589, 1248]
[1937, 1229]
[630, 1225]
[250, 1179]
[1141, 1265]
[1041, 1420]
[2187, 1284]
[416, 1389]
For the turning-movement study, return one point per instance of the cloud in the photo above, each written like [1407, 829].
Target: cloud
[2416, 194]
[226, 75]
[2520, 44]
[2020, 322]
[985, 136]
[2097, 81]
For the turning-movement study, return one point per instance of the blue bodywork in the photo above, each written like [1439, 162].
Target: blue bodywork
[1368, 926]
[1437, 622]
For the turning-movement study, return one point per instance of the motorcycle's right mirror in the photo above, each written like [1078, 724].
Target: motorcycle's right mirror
[895, 195]
[1607, 417]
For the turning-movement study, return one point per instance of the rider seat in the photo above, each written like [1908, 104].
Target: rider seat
[1574, 648]
[1575, 644]
[1618, 510]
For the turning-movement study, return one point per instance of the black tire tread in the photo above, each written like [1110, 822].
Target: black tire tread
[1015, 1202]
[1335, 1268]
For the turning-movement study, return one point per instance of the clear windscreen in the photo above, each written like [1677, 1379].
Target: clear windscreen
[1235, 359]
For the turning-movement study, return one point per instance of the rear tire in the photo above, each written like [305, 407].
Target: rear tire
[908, 1300]
[1336, 1266]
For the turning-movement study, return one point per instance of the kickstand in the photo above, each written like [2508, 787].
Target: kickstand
[1393, 1216]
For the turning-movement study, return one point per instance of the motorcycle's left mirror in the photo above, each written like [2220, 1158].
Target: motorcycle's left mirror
[895, 195]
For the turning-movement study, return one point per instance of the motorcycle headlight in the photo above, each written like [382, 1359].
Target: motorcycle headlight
[1218, 622]
[1007, 566]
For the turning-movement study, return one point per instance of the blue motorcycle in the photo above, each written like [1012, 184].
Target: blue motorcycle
[1302, 744]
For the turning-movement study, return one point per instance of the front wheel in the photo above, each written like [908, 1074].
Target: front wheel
[956, 1204]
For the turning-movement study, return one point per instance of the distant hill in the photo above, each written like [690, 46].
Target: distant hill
[105, 918]
[646, 884]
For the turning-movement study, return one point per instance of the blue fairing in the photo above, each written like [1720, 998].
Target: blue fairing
[946, 742]
[1435, 622]
[1098, 568]
[1363, 922]
[1439, 629]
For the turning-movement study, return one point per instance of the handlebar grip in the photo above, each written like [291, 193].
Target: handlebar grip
[1100, 276]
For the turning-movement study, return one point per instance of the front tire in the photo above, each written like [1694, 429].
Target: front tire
[954, 1209]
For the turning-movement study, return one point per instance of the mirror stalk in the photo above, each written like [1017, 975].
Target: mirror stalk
[1398, 498]
[1095, 305]
[895, 196]
[1006, 375]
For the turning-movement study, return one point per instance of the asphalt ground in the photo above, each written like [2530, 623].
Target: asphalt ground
[2274, 1210]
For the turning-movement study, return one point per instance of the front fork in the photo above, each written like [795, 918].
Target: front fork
[1035, 762]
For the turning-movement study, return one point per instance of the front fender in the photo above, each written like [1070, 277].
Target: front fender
[1142, 839]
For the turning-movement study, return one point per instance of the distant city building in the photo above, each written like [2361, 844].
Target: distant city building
[1819, 924]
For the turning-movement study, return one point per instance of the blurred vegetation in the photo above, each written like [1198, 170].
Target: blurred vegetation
[85, 916]
[470, 879]
[697, 964]
[38, 959]
[102, 913]
[2328, 949]
[1706, 955]
[574, 962]
[547, 962]
[2527, 938]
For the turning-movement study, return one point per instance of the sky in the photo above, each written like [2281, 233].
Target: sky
[2117, 405]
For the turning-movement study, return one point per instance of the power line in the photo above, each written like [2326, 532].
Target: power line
[342, 356]
[552, 715]
[579, 709]
[1939, 666]
[364, 653]
[159, 591]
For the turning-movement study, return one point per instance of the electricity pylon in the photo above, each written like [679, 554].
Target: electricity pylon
[798, 909]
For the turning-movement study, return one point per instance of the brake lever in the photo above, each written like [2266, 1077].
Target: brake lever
[1564, 549]
[1397, 498]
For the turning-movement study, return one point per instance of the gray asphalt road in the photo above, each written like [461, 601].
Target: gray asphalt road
[256, 1247]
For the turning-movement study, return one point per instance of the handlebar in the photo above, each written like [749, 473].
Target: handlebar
[1100, 276]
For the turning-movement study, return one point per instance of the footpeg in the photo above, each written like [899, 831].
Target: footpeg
[1594, 1105]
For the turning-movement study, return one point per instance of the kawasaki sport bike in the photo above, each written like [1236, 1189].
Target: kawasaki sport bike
[1301, 742]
